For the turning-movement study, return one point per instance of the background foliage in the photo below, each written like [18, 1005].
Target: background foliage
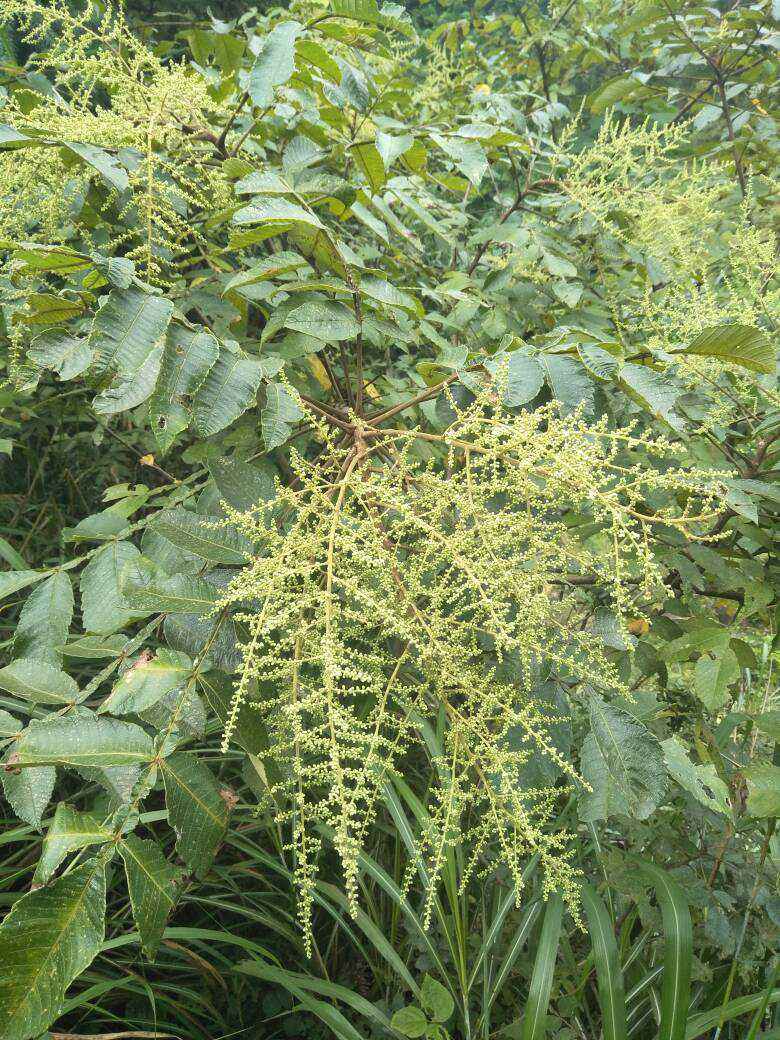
[239, 249]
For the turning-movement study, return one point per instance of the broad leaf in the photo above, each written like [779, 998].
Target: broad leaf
[623, 763]
[68, 832]
[28, 791]
[128, 326]
[153, 885]
[43, 624]
[150, 591]
[371, 165]
[14, 581]
[196, 810]
[763, 781]
[187, 359]
[146, 682]
[274, 63]
[436, 1000]
[743, 345]
[227, 391]
[713, 676]
[324, 319]
[569, 383]
[104, 608]
[206, 536]
[702, 782]
[280, 412]
[50, 936]
[38, 681]
[81, 740]
[67, 354]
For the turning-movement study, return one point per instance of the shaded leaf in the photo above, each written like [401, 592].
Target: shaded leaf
[206, 536]
[196, 810]
[227, 391]
[153, 884]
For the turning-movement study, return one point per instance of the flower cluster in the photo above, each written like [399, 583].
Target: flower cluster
[413, 579]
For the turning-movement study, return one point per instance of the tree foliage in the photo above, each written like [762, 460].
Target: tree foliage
[392, 432]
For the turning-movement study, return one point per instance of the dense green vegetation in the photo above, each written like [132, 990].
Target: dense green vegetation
[390, 434]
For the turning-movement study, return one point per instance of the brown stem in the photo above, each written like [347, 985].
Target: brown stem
[724, 101]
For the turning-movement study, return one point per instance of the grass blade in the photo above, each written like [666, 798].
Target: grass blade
[535, 1017]
[612, 995]
[699, 1024]
[678, 952]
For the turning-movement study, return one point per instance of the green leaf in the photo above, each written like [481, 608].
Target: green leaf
[128, 391]
[153, 885]
[612, 997]
[108, 166]
[390, 16]
[9, 726]
[128, 326]
[706, 1021]
[10, 555]
[279, 214]
[702, 782]
[654, 391]
[249, 730]
[436, 999]
[279, 413]
[243, 484]
[769, 722]
[196, 810]
[38, 681]
[535, 1015]
[146, 682]
[524, 378]
[13, 581]
[187, 359]
[623, 763]
[678, 952]
[409, 1021]
[103, 607]
[94, 648]
[68, 831]
[324, 319]
[369, 161]
[49, 937]
[763, 782]
[206, 536]
[81, 740]
[469, 156]
[619, 89]
[150, 591]
[43, 624]
[191, 632]
[569, 383]
[275, 62]
[743, 345]
[60, 350]
[28, 791]
[713, 676]
[227, 391]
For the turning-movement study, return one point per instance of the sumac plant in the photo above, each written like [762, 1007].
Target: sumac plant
[457, 415]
